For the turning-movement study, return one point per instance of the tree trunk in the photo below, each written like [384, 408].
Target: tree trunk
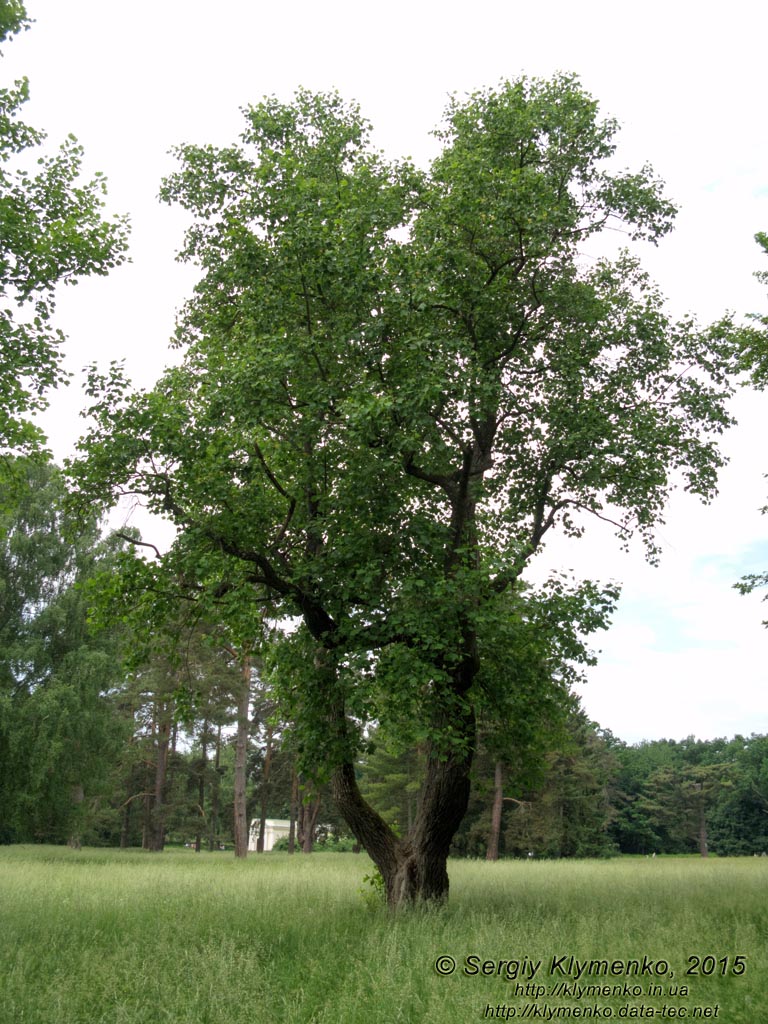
[241, 757]
[125, 830]
[293, 811]
[78, 796]
[213, 829]
[422, 875]
[201, 788]
[703, 844]
[414, 869]
[310, 812]
[146, 822]
[492, 852]
[156, 837]
[265, 790]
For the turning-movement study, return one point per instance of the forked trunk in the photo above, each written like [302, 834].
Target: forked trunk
[414, 869]
[422, 875]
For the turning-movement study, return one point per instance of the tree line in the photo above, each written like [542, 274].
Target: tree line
[395, 384]
[598, 796]
[109, 737]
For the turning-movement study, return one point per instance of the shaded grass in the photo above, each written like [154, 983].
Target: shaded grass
[127, 937]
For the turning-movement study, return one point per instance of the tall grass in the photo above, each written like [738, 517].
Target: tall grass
[132, 938]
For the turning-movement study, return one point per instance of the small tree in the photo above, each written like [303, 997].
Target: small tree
[396, 384]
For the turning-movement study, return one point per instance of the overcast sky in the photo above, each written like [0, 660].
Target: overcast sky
[686, 654]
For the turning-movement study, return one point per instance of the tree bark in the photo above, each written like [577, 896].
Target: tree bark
[156, 837]
[414, 869]
[201, 788]
[213, 829]
[703, 838]
[125, 830]
[146, 822]
[492, 853]
[309, 815]
[78, 796]
[241, 757]
[269, 751]
[293, 811]
[422, 875]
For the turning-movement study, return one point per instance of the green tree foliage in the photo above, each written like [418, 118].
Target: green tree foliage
[681, 796]
[395, 384]
[59, 726]
[680, 800]
[590, 794]
[391, 780]
[51, 232]
[559, 798]
[569, 814]
[634, 829]
[738, 823]
[755, 341]
[755, 361]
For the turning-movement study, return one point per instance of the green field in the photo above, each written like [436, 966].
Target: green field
[133, 938]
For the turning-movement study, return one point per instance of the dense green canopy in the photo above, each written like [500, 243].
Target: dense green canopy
[395, 383]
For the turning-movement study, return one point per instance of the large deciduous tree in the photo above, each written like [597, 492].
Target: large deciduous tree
[51, 232]
[395, 384]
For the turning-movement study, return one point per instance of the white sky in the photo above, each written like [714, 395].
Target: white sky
[686, 654]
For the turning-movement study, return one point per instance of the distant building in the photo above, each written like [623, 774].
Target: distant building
[274, 829]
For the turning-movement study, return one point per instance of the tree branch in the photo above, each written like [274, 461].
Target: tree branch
[443, 480]
[139, 543]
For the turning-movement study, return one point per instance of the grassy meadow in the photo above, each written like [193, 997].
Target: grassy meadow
[127, 937]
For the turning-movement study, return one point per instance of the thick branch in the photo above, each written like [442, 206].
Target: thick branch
[320, 624]
[367, 825]
[446, 481]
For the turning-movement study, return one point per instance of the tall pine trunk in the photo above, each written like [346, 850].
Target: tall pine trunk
[492, 853]
[213, 822]
[266, 771]
[201, 788]
[241, 758]
[125, 828]
[155, 839]
[294, 811]
[703, 838]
